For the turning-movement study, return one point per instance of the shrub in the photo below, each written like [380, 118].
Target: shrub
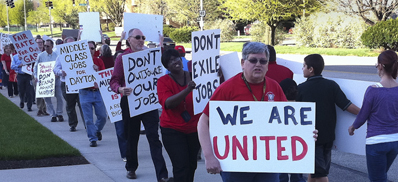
[111, 26]
[183, 34]
[329, 30]
[261, 32]
[382, 34]
[227, 28]
[167, 30]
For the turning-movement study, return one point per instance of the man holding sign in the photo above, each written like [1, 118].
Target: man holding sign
[47, 56]
[150, 119]
[251, 85]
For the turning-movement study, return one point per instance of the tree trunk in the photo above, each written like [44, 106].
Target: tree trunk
[37, 27]
[273, 29]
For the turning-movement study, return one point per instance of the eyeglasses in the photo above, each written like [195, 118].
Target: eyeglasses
[254, 61]
[138, 37]
[377, 65]
[92, 48]
[39, 42]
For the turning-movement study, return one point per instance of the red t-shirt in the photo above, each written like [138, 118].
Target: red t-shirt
[171, 118]
[7, 59]
[99, 63]
[235, 89]
[278, 72]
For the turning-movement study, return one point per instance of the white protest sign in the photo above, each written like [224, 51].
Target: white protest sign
[274, 137]
[110, 98]
[141, 71]
[28, 69]
[355, 91]
[230, 65]
[150, 25]
[26, 46]
[205, 65]
[45, 86]
[90, 24]
[78, 64]
[5, 40]
[71, 91]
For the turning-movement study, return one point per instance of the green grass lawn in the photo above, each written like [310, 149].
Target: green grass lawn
[23, 138]
[237, 46]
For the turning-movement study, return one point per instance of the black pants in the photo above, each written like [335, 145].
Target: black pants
[183, 150]
[132, 126]
[71, 100]
[25, 89]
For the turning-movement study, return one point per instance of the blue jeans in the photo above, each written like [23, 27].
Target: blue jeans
[88, 100]
[121, 137]
[249, 177]
[60, 101]
[284, 177]
[379, 158]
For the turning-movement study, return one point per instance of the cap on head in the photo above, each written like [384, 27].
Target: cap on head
[180, 49]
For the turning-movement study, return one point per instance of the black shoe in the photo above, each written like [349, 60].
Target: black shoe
[53, 119]
[29, 109]
[34, 102]
[60, 118]
[171, 179]
[72, 129]
[131, 175]
[99, 135]
[142, 132]
[93, 144]
[21, 105]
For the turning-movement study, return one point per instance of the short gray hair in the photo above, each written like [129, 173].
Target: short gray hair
[67, 38]
[254, 48]
[131, 31]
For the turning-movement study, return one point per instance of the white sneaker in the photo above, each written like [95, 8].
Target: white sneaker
[124, 159]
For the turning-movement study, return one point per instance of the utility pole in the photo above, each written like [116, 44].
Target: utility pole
[88, 5]
[201, 17]
[8, 22]
[24, 10]
[51, 24]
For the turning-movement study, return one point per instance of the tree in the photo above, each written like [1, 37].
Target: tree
[113, 9]
[3, 14]
[16, 14]
[272, 12]
[65, 12]
[39, 16]
[380, 9]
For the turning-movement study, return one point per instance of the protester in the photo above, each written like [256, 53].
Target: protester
[106, 56]
[251, 85]
[8, 74]
[47, 56]
[326, 94]
[289, 87]
[181, 51]
[119, 44]
[132, 126]
[178, 122]
[41, 105]
[89, 98]
[24, 85]
[379, 108]
[70, 98]
[275, 71]
[119, 127]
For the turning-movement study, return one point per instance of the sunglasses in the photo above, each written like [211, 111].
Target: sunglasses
[138, 37]
[92, 48]
[254, 61]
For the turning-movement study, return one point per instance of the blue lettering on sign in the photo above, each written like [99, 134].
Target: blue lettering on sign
[275, 115]
[291, 116]
[304, 116]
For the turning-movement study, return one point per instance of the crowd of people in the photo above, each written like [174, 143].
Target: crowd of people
[184, 134]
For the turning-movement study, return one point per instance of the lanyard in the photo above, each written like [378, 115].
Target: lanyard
[248, 86]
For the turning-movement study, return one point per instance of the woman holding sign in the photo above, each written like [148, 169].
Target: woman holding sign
[9, 75]
[380, 109]
[178, 122]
